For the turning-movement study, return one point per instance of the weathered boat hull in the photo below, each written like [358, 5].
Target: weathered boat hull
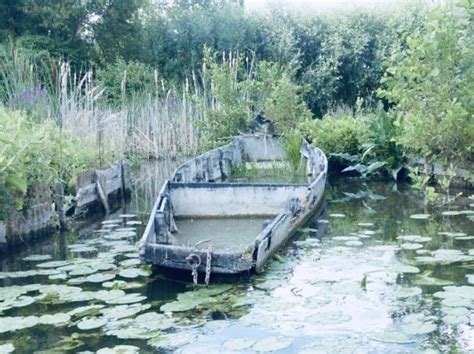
[197, 191]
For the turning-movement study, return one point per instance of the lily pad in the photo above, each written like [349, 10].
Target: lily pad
[451, 213]
[271, 344]
[172, 340]
[414, 238]
[454, 320]
[419, 328]
[452, 234]
[81, 311]
[82, 270]
[420, 216]
[89, 323]
[123, 311]
[181, 306]
[238, 344]
[52, 264]
[411, 246]
[132, 333]
[345, 238]
[130, 262]
[403, 268]
[368, 232]
[37, 257]
[131, 273]
[58, 319]
[111, 222]
[133, 222]
[154, 321]
[122, 285]
[120, 235]
[353, 243]
[100, 277]
[109, 295]
[119, 349]
[390, 337]
[82, 249]
[464, 238]
[23, 301]
[329, 318]
[404, 292]
[12, 324]
[423, 280]
[127, 216]
[127, 299]
[365, 224]
[6, 348]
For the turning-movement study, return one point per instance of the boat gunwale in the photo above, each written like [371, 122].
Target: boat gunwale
[308, 152]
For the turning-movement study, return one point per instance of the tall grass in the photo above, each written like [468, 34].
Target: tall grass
[148, 125]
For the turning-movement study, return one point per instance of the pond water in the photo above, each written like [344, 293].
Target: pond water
[376, 273]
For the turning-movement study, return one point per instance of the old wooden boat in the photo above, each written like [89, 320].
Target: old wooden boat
[203, 221]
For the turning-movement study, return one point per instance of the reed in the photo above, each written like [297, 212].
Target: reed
[150, 125]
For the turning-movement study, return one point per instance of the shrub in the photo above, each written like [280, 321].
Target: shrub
[431, 85]
[237, 88]
[124, 80]
[39, 154]
[337, 133]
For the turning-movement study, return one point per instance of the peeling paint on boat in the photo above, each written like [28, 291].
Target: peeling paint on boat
[199, 189]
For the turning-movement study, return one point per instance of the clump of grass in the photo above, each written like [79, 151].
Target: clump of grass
[150, 124]
[292, 141]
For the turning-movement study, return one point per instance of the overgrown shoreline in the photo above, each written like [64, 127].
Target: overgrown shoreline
[370, 88]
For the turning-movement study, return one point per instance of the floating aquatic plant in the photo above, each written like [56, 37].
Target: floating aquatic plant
[271, 344]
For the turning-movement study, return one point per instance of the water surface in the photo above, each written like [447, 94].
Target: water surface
[378, 273]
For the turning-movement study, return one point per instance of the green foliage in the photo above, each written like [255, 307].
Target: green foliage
[26, 78]
[292, 141]
[431, 83]
[55, 26]
[37, 154]
[339, 56]
[422, 182]
[284, 104]
[174, 37]
[365, 141]
[118, 30]
[337, 133]
[234, 93]
[224, 100]
[123, 80]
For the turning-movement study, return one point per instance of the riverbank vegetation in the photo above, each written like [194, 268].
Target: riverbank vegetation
[85, 82]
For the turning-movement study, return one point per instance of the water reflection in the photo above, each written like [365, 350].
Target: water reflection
[352, 281]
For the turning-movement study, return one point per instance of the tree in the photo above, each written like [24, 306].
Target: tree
[118, 30]
[59, 26]
[431, 83]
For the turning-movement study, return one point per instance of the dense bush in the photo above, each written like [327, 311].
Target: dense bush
[234, 94]
[365, 140]
[431, 84]
[337, 132]
[38, 154]
[123, 80]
